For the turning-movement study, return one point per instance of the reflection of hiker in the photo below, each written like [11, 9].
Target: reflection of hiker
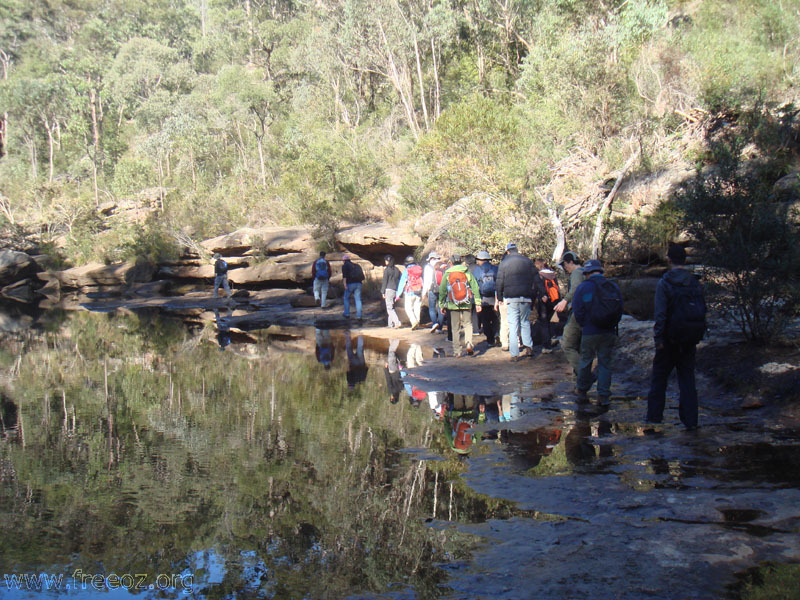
[571, 337]
[459, 420]
[597, 306]
[431, 279]
[353, 277]
[457, 293]
[391, 279]
[223, 330]
[221, 275]
[324, 347]
[680, 315]
[486, 275]
[321, 272]
[545, 307]
[411, 286]
[517, 285]
[357, 366]
[391, 369]
[414, 356]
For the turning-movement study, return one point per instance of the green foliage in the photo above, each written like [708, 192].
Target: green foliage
[772, 582]
[744, 231]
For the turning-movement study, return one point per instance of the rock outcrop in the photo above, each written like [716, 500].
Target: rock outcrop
[375, 240]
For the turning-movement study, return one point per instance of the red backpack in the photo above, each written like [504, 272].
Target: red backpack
[552, 290]
[439, 272]
[414, 279]
[458, 290]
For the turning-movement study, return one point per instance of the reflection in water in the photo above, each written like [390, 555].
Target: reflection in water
[128, 447]
[223, 330]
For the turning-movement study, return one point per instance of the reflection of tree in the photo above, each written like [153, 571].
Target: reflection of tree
[146, 449]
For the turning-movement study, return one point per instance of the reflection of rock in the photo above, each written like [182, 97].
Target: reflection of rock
[15, 266]
[377, 239]
[95, 274]
[12, 324]
[21, 291]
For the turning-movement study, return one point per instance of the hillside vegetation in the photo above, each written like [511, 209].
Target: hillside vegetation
[222, 113]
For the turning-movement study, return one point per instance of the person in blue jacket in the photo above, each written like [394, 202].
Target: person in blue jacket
[596, 340]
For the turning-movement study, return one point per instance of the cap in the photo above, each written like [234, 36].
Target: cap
[409, 260]
[547, 273]
[345, 257]
[510, 245]
[592, 266]
[570, 256]
[433, 255]
[216, 255]
[483, 255]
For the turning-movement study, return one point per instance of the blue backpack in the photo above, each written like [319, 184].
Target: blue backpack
[605, 311]
[486, 283]
[322, 268]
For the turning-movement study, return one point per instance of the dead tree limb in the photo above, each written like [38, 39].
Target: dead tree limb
[558, 227]
[598, 226]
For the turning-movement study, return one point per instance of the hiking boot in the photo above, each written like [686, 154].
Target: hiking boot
[516, 358]
[414, 326]
[546, 350]
[582, 396]
[604, 400]
[434, 327]
[526, 352]
[470, 349]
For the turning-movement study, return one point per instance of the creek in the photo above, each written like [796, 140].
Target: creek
[139, 455]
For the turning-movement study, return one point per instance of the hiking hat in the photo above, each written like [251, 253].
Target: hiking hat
[483, 255]
[548, 273]
[409, 260]
[568, 256]
[345, 257]
[592, 266]
[510, 246]
[433, 255]
[216, 255]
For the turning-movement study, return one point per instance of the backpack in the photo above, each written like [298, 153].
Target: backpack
[486, 282]
[552, 290]
[414, 279]
[458, 290]
[606, 308]
[322, 268]
[686, 320]
[356, 273]
[439, 272]
[220, 267]
[462, 436]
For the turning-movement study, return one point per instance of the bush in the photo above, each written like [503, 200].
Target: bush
[744, 232]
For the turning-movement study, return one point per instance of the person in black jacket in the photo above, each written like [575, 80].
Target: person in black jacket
[517, 284]
[353, 276]
[391, 278]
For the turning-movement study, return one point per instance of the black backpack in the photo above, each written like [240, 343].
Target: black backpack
[356, 273]
[220, 267]
[686, 313]
[606, 308]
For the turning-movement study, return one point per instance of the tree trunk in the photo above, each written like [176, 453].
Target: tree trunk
[96, 136]
[261, 163]
[421, 85]
[558, 227]
[598, 226]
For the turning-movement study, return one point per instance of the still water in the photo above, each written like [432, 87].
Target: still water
[139, 455]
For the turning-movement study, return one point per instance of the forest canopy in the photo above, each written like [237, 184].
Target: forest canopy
[223, 113]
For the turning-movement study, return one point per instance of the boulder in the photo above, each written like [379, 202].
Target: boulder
[787, 187]
[270, 240]
[197, 269]
[638, 296]
[292, 268]
[375, 240]
[15, 266]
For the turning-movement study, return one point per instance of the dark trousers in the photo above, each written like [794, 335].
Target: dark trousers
[489, 320]
[682, 358]
[541, 329]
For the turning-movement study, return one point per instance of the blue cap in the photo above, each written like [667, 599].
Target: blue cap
[592, 266]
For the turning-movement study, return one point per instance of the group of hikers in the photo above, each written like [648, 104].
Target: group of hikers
[500, 298]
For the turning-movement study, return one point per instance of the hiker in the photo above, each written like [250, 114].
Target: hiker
[431, 279]
[545, 307]
[597, 308]
[321, 273]
[486, 275]
[680, 315]
[502, 312]
[221, 275]
[517, 283]
[457, 293]
[391, 279]
[353, 276]
[571, 336]
[356, 365]
[411, 286]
